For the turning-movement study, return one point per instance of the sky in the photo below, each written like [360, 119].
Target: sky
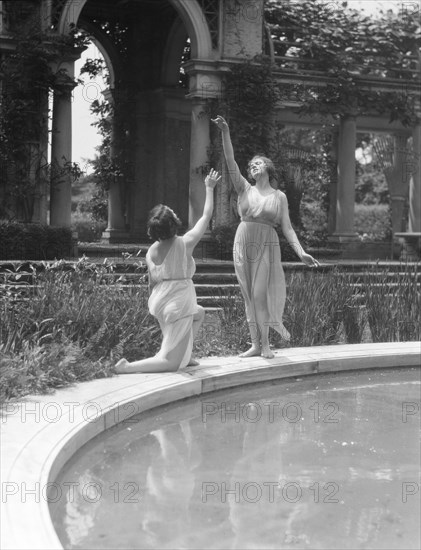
[85, 137]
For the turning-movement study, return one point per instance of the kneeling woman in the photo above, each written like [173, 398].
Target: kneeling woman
[173, 298]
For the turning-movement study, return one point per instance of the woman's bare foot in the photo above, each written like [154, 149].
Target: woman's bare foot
[267, 353]
[121, 366]
[193, 362]
[252, 352]
[286, 336]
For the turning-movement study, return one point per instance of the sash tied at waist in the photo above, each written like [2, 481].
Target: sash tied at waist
[178, 279]
[254, 220]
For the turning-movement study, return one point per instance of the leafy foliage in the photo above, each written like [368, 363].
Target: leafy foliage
[19, 241]
[373, 221]
[30, 72]
[250, 99]
[77, 323]
[347, 45]
[370, 185]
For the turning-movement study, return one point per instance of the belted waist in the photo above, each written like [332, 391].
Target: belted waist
[178, 279]
[254, 220]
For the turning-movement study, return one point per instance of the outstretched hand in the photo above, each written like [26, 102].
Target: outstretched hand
[212, 178]
[309, 260]
[221, 123]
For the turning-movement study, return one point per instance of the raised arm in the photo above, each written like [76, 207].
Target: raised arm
[234, 172]
[192, 237]
[291, 236]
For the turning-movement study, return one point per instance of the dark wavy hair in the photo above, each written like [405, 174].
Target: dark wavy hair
[163, 223]
[270, 167]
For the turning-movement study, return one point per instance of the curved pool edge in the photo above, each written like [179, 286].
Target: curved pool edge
[40, 433]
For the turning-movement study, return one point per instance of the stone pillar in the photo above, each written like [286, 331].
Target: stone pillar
[333, 185]
[411, 250]
[345, 198]
[205, 84]
[61, 153]
[199, 145]
[2, 29]
[46, 9]
[116, 227]
[398, 181]
[414, 222]
[223, 214]
[40, 213]
[242, 28]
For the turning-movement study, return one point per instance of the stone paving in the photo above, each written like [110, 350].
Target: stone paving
[41, 432]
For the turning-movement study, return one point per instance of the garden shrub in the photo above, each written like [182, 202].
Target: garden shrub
[98, 205]
[223, 236]
[32, 241]
[374, 220]
[88, 230]
[314, 217]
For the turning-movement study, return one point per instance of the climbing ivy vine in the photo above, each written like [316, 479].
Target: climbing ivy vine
[29, 73]
[334, 41]
[348, 46]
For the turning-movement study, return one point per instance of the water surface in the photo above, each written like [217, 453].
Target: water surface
[322, 462]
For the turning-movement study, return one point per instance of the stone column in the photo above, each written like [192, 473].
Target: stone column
[242, 28]
[199, 145]
[205, 84]
[398, 181]
[414, 222]
[46, 12]
[345, 198]
[61, 153]
[40, 213]
[411, 250]
[116, 227]
[2, 29]
[333, 186]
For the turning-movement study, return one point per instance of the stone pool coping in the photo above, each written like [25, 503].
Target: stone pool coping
[41, 432]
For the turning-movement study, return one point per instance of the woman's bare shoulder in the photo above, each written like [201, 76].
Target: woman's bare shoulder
[152, 247]
[282, 197]
[152, 250]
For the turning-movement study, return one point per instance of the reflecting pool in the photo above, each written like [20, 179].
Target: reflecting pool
[328, 461]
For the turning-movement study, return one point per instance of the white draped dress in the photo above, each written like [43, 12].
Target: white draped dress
[257, 253]
[173, 298]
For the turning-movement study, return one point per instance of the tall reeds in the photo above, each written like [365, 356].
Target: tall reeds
[73, 322]
[316, 306]
[393, 306]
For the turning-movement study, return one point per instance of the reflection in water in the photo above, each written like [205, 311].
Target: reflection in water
[328, 462]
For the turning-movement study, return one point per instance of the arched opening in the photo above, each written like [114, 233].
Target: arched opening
[147, 42]
[89, 203]
[85, 136]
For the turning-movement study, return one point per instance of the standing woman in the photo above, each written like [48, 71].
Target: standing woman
[257, 253]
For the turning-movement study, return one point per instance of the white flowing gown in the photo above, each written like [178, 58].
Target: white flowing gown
[257, 253]
[173, 299]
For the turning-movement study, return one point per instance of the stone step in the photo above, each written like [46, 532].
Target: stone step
[203, 271]
[215, 302]
[212, 280]
[209, 278]
[211, 297]
[205, 267]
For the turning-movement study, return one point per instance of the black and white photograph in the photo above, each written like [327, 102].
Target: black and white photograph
[210, 284]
